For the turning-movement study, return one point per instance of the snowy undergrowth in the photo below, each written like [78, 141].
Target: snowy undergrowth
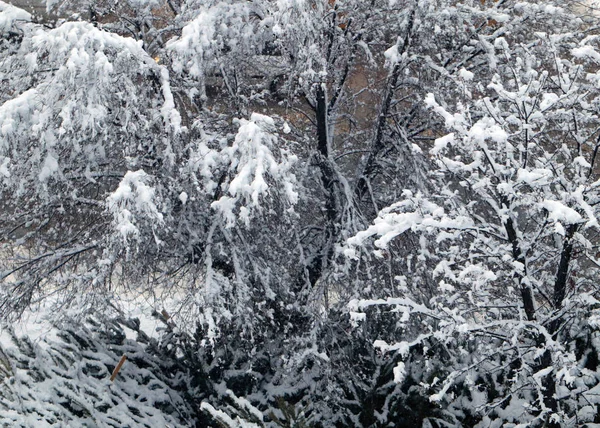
[57, 373]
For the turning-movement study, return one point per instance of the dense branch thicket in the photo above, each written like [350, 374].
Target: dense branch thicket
[358, 212]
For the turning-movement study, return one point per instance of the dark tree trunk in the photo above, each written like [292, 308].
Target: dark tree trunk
[560, 285]
[526, 293]
[549, 385]
[331, 189]
[560, 291]
[321, 113]
[378, 144]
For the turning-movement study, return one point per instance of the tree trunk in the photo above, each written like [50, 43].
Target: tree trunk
[378, 144]
[526, 293]
[331, 189]
[560, 285]
[560, 291]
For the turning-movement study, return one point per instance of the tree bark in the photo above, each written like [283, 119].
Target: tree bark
[378, 144]
[526, 293]
[330, 182]
[560, 291]
[560, 284]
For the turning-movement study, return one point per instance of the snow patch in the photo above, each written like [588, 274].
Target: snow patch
[557, 211]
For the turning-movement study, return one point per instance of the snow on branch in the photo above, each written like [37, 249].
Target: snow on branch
[10, 16]
[415, 213]
[255, 171]
[132, 202]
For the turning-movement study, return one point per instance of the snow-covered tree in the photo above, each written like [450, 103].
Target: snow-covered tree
[509, 238]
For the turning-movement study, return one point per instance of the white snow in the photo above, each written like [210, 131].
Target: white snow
[169, 111]
[399, 372]
[440, 143]
[532, 177]
[400, 217]
[586, 51]
[252, 162]
[465, 74]
[49, 168]
[131, 201]
[10, 14]
[183, 197]
[557, 211]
